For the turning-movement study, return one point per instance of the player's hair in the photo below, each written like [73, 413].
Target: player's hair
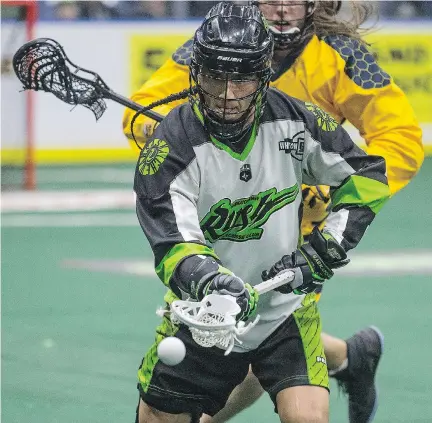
[328, 21]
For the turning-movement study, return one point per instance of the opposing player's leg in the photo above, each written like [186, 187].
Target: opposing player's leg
[243, 396]
[147, 414]
[197, 385]
[291, 367]
[356, 373]
[356, 377]
[335, 350]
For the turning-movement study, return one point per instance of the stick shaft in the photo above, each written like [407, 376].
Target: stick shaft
[111, 95]
[287, 276]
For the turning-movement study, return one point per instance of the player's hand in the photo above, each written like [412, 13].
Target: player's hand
[316, 207]
[148, 128]
[313, 263]
[246, 296]
[143, 131]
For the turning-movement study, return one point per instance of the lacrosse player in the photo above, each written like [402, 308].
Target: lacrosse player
[322, 59]
[218, 196]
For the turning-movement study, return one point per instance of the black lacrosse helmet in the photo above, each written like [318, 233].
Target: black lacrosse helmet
[293, 38]
[230, 70]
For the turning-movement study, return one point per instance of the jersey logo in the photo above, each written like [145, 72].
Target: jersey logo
[325, 121]
[245, 173]
[152, 156]
[294, 145]
[242, 219]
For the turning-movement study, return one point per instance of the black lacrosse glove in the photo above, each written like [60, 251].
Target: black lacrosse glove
[315, 261]
[246, 296]
[199, 276]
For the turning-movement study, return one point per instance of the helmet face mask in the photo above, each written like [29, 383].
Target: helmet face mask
[230, 70]
[228, 101]
[289, 20]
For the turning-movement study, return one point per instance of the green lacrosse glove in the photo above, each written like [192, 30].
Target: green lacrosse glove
[199, 276]
[313, 263]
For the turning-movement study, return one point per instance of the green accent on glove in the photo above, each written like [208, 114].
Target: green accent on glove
[168, 264]
[252, 297]
[253, 300]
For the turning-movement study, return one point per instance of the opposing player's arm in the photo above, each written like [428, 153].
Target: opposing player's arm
[171, 77]
[369, 98]
[358, 181]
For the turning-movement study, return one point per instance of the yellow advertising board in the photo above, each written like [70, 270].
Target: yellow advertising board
[407, 57]
[149, 52]
[406, 54]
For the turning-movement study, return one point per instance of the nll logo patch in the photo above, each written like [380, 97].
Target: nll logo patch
[294, 145]
[320, 359]
[245, 173]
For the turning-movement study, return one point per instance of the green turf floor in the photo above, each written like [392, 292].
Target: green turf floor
[72, 339]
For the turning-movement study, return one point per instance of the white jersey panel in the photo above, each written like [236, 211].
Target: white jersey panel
[184, 203]
[221, 179]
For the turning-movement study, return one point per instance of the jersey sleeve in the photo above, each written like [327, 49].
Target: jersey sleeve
[167, 188]
[358, 183]
[172, 77]
[368, 97]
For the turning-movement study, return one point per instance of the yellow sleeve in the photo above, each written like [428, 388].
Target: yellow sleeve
[172, 77]
[377, 107]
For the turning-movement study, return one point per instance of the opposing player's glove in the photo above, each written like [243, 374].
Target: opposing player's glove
[199, 276]
[313, 261]
[316, 207]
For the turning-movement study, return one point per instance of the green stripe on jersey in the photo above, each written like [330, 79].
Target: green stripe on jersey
[361, 191]
[166, 267]
[309, 325]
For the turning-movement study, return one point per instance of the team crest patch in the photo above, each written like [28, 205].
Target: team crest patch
[245, 173]
[325, 121]
[294, 145]
[152, 156]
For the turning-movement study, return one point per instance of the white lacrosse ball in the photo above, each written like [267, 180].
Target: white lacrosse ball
[171, 351]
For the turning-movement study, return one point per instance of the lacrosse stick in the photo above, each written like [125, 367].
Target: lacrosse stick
[42, 65]
[212, 321]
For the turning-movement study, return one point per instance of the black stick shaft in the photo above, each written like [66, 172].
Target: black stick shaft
[130, 104]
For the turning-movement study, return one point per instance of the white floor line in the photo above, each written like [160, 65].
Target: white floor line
[85, 175]
[374, 265]
[61, 201]
[71, 220]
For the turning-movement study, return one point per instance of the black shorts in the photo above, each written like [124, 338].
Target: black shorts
[292, 355]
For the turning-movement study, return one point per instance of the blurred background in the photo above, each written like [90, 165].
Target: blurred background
[79, 292]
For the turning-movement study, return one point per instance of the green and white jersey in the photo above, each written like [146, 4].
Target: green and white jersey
[196, 196]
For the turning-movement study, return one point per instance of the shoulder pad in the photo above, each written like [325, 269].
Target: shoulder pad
[183, 54]
[360, 64]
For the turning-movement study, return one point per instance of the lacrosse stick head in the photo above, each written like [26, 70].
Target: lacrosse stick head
[212, 322]
[42, 65]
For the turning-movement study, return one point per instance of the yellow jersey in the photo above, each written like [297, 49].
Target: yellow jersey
[342, 77]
